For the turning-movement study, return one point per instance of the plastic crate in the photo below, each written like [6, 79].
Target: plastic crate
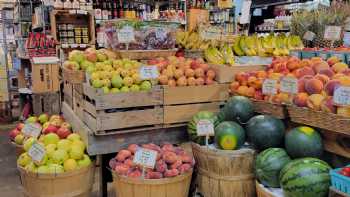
[340, 182]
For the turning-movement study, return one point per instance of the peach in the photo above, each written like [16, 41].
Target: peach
[293, 64]
[329, 72]
[331, 86]
[251, 80]
[285, 97]
[323, 78]
[242, 78]
[339, 67]
[242, 90]
[333, 60]
[258, 95]
[320, 66]
[261, 74]
[314, 101]
[305, 63]
[279, 67]
[233, 87]
[346, 72]
[275, 76]
[345, 80]
[250, 92]
[313, 86]
[344, 111]
[304, 71]
[327, 105]
[316, 60]
[338, 76]
[300, 99]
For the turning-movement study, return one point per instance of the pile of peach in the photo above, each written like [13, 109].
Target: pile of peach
[171, 161]
[317, 81]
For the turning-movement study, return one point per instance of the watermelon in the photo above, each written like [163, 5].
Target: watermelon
[265, 131]
[268, 165]
[192, 126]
[305, 177]
[304, 142]
[229, 135]
[237, 108]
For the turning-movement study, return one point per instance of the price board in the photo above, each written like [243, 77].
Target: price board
[32, 130]
[126, 34]
[145, 157]
[205, 128]
[269, 87]
[149, 72]
[289, 85]
[37, 152]
[332, 33]
[342, 96]
[309, 35]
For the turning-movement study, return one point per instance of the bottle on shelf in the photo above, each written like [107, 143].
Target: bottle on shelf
[88, 5]
[115, 9]
[67, 5]
[58, 5]
[104, 10]
[76, 5]
[98, 11]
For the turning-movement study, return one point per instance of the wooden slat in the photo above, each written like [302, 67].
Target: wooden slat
[226, 74]
[332, 143]
[195, 94]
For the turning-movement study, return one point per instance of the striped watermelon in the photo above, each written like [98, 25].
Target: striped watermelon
[305, 177]
[268, 165]
[192, 126]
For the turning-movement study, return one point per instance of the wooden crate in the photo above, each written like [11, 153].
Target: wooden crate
[68, 93]
[336, 143]
[226, 74]
[181, 103]
[276, 110]
[74, 76]
[78, 104]
[46, 103]
[122, 112]
[45, 78]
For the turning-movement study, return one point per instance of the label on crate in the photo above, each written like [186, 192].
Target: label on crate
[309, 35]
[294, 54]
[149, 72]
[289, 85]
[342, 96]
[145, 157]
[269, 87]
[32, 130]
[37, 152]
[332, 33]
[205, 128]
[126, 34]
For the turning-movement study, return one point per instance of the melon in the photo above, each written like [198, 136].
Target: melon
[192, 126]
[305, 177]
[303, 142]
[237, 108]
[229, 135]
[265, 131]
[268, 165]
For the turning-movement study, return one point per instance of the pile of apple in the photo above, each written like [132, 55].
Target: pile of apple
[53, 124]
[108, 73]
[317, 81]
[171, 161]
[61, 155]
[178, 71]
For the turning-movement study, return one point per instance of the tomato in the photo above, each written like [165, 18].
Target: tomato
[344, 173]
[346, 169]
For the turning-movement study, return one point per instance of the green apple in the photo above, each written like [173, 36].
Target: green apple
[43, 169]
[86, 161]
[43, 118]
[108, 62]
[146, 85]
[19, 139]
[76, 56]
[97, 83]
[85, 64]
[90, 69]
[125, 89]
[59, 156]
[28, 143]
[101, 57]
[95, 75]
[64, 144]
[105, 90]
[50, 149]
[24, 159]
[70, 165]
[99, 66]
[79, 143]
[76, 152]
[31, 119]
[31, 167]
[135, 88]
[128, 81]
[106, 83]
[55, 168]
[117, 63]
[73, 137]
[51, 138]
[114, 90]
[117, 81]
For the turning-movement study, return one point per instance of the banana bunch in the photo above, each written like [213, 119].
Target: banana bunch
[214, 56]
[228, 55]
[191, 40]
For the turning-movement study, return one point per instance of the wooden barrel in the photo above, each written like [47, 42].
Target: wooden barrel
[170, 187]
[68, 184]
[223, 173]
[262, 192]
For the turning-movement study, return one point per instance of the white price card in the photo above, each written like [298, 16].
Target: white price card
[37, 152]
[205, 128]
[294, 54]
[145, 157]
[269, 87]
[289, 85]
[309, 35]
[82, 45]
[32, 130]
[65, 46]
[74, 46]
[149, 72]
[82, 12]
[126, 34]
[245, 12]
[342, 96]
[332, 33]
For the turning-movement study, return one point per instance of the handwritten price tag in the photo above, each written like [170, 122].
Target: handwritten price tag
[332, 33]
[289, 85]
[342, 96]
[37, 152]
[269, 87]
[149, 72]
[32, 130]
[205, 128]
[145, 157]
[309, 35]
[126, 35]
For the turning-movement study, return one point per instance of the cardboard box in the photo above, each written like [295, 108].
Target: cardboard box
[45, 78]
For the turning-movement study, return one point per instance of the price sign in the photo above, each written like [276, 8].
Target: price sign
[32, 130]
[205, 128]
[126, 34]
[332, 33]
[81, 12]
[37, 152]
[269, 87]
[323, 55]
[245, 16]
[342, 96]
[74, 46]
[145, 157]
[289, 85]
[149, 72]
[309, 35]
[294, 54]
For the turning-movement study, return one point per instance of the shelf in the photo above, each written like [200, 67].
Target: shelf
[273, 30]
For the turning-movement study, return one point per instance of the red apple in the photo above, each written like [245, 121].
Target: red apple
[20, 126]
[13, 133]
[195, 64]
[63, 132]
[50, 129]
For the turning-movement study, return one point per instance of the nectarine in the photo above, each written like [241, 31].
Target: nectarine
[313, 86]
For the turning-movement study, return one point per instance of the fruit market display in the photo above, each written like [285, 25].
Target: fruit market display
[48, 124]
[107, 73]
[171, 162]
[61, 155]
[178, 71]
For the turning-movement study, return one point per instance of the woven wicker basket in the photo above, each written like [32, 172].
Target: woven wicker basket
[145, 54]
[261, 191]
[275, 110]
[319, 119]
